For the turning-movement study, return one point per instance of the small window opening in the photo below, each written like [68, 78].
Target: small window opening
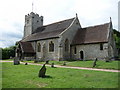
[51, 47]
[101, 46]
[75, 50]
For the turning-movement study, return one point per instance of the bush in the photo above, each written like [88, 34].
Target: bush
[8, 52]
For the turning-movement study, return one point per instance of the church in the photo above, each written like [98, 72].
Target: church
[65, 40]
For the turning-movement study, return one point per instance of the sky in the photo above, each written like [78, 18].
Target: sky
[90, 13]
[119, 15]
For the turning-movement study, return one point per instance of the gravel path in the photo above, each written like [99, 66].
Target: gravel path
[107, 70]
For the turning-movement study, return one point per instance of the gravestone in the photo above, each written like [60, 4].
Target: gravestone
[64, 64]
[94, 64]
[26, 63]
[52, 65]
[16, 61]
[42, 71]
[107, 61]
[35, 61]
[47, 62]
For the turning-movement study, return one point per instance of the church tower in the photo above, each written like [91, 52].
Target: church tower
[32, 22]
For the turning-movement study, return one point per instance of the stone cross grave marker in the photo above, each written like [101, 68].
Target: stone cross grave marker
[42, 71]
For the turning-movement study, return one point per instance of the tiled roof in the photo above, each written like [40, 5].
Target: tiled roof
[49, 31]
[27, 47]
[94, 34]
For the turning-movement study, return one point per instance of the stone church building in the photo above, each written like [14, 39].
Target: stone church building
[64, 40]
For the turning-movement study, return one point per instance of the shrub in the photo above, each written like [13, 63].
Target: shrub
[8, 52]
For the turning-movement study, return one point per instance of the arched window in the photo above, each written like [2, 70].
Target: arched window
[101, 46]
[75, 50]
[66, 45]
[39, 47]
[51, 47]
[81, 55]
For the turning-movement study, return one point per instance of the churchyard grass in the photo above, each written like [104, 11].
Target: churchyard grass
[99, 64]
[26, 76]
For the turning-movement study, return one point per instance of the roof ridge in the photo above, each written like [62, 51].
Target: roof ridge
[50, 30]
[95, 25]
[59, 21]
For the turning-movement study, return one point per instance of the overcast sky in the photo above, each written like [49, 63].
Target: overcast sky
[90, 13]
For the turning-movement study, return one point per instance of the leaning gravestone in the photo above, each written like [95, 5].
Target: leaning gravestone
[42, 71]
[94, 64]
[16, 61]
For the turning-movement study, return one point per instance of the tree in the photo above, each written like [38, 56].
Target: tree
[8, 52]
[117, 40]
[5, 53]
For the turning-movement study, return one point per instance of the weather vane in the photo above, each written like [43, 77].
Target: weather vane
[32, 6]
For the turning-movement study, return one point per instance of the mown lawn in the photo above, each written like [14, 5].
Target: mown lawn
[100, 64]
[26, 76]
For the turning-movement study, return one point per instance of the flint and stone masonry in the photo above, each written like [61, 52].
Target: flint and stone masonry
[64, 40]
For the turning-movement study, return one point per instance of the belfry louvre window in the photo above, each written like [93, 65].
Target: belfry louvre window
[51, 47]
[101, 46]
[27, 21]
[39, 47]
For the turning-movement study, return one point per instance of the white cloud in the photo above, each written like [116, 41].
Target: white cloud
[96, 11]
[90, 12]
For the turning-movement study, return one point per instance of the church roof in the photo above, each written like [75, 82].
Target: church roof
[26, 47]
[49, 31]
[93, 34]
